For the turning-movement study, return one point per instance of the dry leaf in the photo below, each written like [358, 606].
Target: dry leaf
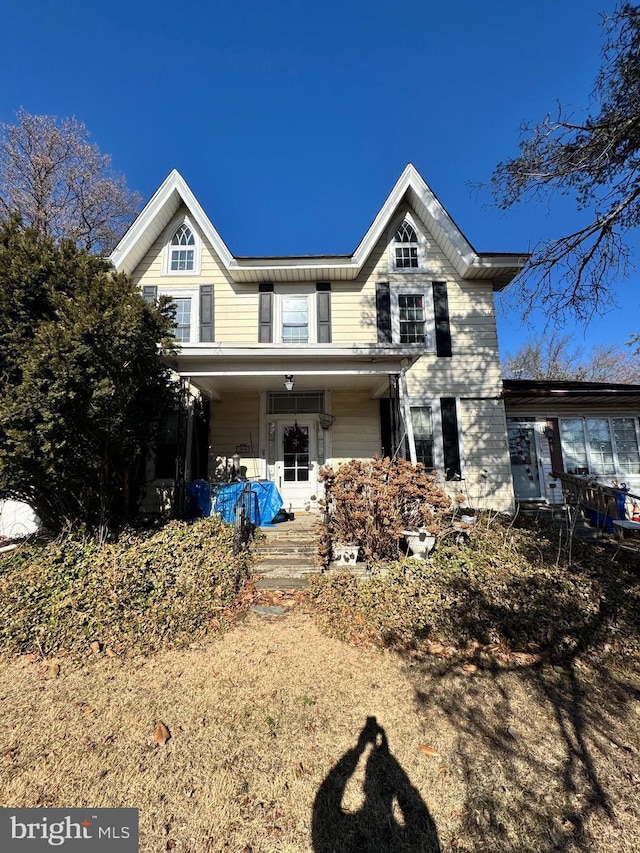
[9, 752]
[161, 734]
[428, 750]
[96, 647]
[110, 653]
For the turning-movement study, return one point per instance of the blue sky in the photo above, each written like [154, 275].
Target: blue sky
[291, 121]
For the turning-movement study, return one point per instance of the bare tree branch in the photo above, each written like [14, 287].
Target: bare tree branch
[595, 158]
[557, 356]
[55, 179]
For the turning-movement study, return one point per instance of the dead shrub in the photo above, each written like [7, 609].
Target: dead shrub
[370, 503]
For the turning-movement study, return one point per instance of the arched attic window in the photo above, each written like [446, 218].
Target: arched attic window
[406, 246]
[182, 250]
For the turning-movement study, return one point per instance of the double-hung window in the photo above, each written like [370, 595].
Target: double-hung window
[601, 446]
[411, 318]
[423, 435]
[186, 303]
[412, 314]
[295, 319]
[182, 329]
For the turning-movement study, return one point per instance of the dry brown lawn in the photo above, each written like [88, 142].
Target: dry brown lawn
[264, 725]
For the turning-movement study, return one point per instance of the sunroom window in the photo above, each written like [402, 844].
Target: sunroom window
[182, 258]
[600, 446]
[406, 246]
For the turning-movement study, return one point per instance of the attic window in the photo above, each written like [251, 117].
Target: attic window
[406, 247]
[182, 250]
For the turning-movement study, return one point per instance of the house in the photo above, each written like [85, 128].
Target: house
[297, 362]
[584, 428]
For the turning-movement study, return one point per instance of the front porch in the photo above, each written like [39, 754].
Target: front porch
[283, 420]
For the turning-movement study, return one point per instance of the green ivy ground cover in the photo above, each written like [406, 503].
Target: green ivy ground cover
[150, 589]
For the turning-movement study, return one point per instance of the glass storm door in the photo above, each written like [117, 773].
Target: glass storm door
[295, 467]
[524, 462]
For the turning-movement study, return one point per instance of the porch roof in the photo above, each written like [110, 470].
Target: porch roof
[543, 394]
[220, 368]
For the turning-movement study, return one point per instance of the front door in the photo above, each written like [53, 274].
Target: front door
[525, 468]
[296, 475]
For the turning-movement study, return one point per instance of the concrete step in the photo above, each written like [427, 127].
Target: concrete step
[287, 536]
[285, 554]
[284, 563]
[269, 582]
[283, 550]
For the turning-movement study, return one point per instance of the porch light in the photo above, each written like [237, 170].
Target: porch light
[288, 382]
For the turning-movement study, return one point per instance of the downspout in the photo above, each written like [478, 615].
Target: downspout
[406, 365]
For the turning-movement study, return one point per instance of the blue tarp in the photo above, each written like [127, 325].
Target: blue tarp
[200, 493]
[264, 503]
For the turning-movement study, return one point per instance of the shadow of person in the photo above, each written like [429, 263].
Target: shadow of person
[377, 827]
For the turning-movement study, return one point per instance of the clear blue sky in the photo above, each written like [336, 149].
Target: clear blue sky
[291, 121]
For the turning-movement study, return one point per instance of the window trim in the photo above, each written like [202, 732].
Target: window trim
[169, 234]
[279, 297]
[422, 246]
[192, 293]
[424, 289]
[432, 403]
[414, 407]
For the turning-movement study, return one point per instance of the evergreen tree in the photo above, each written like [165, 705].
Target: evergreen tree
[83, 383]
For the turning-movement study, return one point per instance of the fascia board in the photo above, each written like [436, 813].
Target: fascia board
[383, 217]
[302, 264]
[143, 221]
[174, 183]
[438, 218]
[462, 255]
[307, 353]
[454, 244]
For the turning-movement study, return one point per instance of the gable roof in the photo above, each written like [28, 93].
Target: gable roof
[501, 268]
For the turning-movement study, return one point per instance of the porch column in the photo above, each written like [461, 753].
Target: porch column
[406, 412]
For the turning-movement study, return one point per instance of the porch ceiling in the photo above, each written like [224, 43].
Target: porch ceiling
[219, 369]
[377, 385]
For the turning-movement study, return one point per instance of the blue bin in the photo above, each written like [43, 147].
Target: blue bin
[598, 519]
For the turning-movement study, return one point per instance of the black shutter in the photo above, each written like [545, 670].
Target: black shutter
[441, 311]
[450, 444]
[206, 313]
[323, 305]
[383, 312]
[265, 314]
[150, 293]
